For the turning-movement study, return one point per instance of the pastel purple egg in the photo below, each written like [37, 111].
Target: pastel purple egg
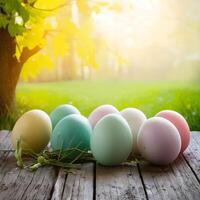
[135, 119]
[181, 124]
[100, 112]
[159, 141]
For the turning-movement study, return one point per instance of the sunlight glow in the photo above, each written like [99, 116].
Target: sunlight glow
[150, 33]
[136, 39]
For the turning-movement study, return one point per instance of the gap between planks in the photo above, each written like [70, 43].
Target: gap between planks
[192, 155]
[22, 184]
[118, 182]
[75, 186]
[178, 180]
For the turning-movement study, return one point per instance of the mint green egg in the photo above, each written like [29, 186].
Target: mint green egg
[62, 111]
[73, 131]
[111, 141]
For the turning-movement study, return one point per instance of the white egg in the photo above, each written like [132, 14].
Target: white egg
[135, 119]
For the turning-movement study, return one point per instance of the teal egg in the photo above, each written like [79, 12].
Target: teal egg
[111, 141]
[73, 131]
[62, 111]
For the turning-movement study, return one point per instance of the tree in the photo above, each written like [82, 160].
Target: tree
[10, 69]
[25, 26]
[13, 17]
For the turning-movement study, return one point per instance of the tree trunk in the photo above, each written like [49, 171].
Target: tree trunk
[10, 70]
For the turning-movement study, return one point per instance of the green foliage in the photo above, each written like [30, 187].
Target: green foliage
[58, 158]
[7, 122]
[13, 15]
[3, 21]
[49, 25]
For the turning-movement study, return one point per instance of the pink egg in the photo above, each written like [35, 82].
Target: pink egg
[181, 124]
[159, 141]
[100, 112]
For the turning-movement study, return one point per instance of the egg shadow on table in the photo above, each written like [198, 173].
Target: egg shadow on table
[147, 167]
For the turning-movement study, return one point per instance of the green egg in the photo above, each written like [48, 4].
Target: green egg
[73, 131]
[62, 111]
[111, 141]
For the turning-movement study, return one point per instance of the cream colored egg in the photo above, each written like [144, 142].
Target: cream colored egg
[135, 119]
[34, 128]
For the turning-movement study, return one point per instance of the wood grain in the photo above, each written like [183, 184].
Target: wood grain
[122, 182]
[192, 154]
[22, 184]
[80, 186]
[59, 185]
[181, 180]
[175, 181]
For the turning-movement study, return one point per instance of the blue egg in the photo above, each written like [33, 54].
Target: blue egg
[62, 111]
[73, 131]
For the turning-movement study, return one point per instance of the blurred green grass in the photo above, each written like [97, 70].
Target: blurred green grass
[150, 97]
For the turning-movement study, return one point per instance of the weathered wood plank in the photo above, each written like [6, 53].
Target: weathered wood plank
[176, 181]
[75, 186]
[192, 154]
[23, 184]
[4, 144]
[59, 185]
[121, 182]
[80, 185]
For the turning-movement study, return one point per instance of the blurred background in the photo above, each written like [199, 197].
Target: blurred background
[129, 53]
[131, 39]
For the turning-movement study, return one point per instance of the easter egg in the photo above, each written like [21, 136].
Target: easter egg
[135, 119]
[62, 111]
[159, 141]
[34, 129]
[72, 131]
[111, 141]
[100, 112]
[181, 124]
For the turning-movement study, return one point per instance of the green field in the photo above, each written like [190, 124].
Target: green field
[150, 97]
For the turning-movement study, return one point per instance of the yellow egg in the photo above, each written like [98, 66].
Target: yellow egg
[34, 128]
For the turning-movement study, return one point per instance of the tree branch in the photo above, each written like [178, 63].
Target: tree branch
[27, 53]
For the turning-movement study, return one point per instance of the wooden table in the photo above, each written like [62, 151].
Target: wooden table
[181, 180]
